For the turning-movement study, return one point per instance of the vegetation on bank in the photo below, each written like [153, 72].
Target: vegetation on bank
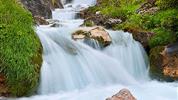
[20, 49]
[159, 18]
[164, 22]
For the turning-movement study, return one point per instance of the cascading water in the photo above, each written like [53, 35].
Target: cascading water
[75, 71]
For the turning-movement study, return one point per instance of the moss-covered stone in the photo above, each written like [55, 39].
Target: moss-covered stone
[20, 50]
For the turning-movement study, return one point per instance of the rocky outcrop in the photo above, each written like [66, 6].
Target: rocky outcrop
[38, 7]
[148, 8]
[97, 18]
[97, 33]
[41, 8]
[170, 61]
[123, 94]
[164, 62]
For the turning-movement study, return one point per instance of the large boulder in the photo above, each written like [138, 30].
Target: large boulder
[38, 7]
[98, 34]
[123, 94]
[164, 61]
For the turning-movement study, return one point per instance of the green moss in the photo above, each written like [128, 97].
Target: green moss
[19, 49]
[163, 24]
[88, 23]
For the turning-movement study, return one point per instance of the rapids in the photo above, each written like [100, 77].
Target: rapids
[72, 70]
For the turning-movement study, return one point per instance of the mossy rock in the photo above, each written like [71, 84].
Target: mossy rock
[88, 23]
[20, 50]
[156, 64]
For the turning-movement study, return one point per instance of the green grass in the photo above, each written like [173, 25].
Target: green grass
[167, 4]
[20, 49]
[161, 38]
[163, 23]
[116, 8]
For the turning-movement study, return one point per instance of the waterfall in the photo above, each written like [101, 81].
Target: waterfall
[72, 65]
[80, 70]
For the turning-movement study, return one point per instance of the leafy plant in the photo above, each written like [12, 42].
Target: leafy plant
[161, 38]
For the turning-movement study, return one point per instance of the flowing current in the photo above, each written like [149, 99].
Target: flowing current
[73, 70]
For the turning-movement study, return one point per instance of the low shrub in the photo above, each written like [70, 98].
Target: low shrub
[162, 37]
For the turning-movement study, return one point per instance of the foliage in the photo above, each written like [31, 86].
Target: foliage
[161, 38]
[20, 55]
[116, 8]
[167, 4]
[163, 23]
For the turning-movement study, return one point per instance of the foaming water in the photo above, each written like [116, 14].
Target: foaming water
[130, 53]
[80, 70]
[70, 65]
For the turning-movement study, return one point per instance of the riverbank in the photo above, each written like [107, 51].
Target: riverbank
[153, 24]
[20, 51]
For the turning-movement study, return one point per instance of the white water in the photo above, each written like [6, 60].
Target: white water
[75, 71]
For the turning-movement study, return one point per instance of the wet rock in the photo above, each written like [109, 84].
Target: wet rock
[80, 34]
[123, 94]
[164, 63]
[40, 20]
[38, 8]
[41, 8]
[100, 34]
[52, 21]
[97, 33]
[55, 25]
[170, 61]
[111, 22]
